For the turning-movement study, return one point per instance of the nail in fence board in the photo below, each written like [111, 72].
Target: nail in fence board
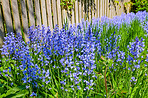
[1, 29]
[49, 14]
[31, 12]
[7, 15]
[59, 14]
[37, 12]
[43, 8]
[16, 17]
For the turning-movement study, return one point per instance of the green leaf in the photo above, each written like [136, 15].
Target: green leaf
[2, 90]
[21, 94]
[13, 90]
[50, 96]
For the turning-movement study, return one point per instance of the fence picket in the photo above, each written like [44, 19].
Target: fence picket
[73, 15]
[44, 15]
[92, 7]
[49, 14]
[1, 29]
[89, 10]
[127, 6]
[54, 12]
[101, 11]
[59, 14]
[96, 9]
[16, 15]
[105, 7]
[80, 13]
[83, 9]
[108, 8]
[76, 12]
[7, 15]
[24, 15]
[37, 12]
[24, 18]
[64, 15]
[31, 12]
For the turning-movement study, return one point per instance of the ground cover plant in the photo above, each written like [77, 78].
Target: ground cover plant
[97, 59]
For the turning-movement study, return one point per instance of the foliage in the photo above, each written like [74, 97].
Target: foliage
[67, 5]
[141, 5]
[97, 59]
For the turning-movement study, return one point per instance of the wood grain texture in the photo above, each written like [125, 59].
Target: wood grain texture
[54, 12]
[1, 29]
[49, 14]
[89, 10]
[44, 15]
[96, 9]
[59, 14]
[105, 7]
[73, 15]
[64, 15]
[76, 12]
[92, 8]
[101, 8]
[83, 9]
[108, 8]
[16, 17]
[24, 18]
[31, 12]
[7, 15]
[80, 11]
[37, 12]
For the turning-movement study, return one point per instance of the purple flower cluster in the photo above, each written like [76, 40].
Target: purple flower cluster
[135, 50]
[69, 55]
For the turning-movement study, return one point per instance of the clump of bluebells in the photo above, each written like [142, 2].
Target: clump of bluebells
[76, 61]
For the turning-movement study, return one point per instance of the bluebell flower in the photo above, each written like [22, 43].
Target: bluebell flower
[62, 88]
[27, 87]
[33, 94]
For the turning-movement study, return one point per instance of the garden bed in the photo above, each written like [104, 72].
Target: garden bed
[97, 59]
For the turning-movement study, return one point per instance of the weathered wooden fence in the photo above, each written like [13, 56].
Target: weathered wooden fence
[18, 15]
